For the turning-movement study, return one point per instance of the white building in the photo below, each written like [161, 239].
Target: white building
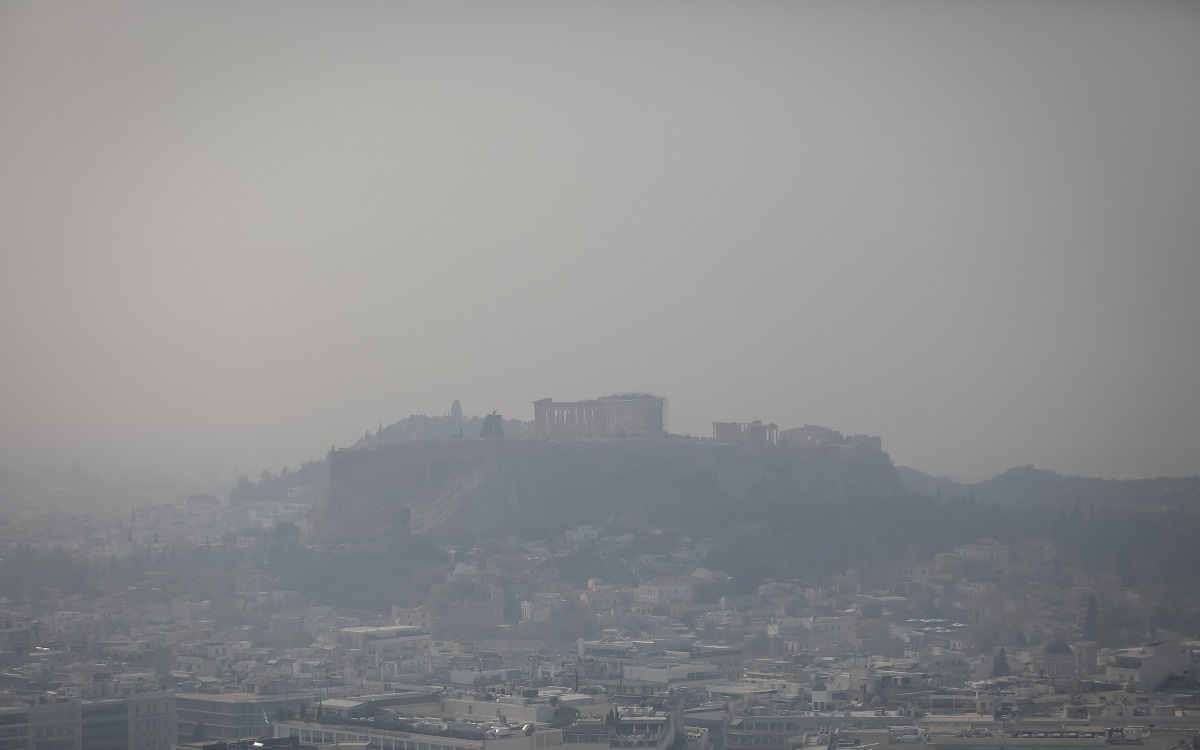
[1148, 666]
[989, 551]
[584, 532]
[408, 647]
[664, 591]
[152, 721]
[660, 677]
[56, 724]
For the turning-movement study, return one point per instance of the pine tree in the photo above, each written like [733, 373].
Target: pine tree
[1000, 664]
[1090, 619]
[1124, 569]
[493, 426]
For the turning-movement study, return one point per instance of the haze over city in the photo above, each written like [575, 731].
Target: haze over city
[235, 234]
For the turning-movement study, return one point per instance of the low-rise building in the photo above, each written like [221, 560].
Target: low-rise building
[14, 728]
[1148, 667]
[660, 677]
[230, 716]
[988, 551]
[408, 648]
[55, 724]
[151, 718]
[761, 732]
[419, 735]
[664, 591]
[105, 725]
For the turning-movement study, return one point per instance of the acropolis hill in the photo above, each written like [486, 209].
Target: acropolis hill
[456, 490]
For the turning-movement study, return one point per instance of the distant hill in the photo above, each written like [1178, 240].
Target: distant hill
[1028, 486]
[782, 512]
[1039, 487]
[919, 483]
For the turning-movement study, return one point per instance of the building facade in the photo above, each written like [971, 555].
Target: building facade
[14, 728]
[317, 733]
[106, 725]
[232, 716]
[664, 591]
[55, 724]
[151, 718]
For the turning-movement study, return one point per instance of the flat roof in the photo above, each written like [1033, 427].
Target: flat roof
[247, 697]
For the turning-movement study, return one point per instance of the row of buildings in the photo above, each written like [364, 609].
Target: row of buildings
[140, 721]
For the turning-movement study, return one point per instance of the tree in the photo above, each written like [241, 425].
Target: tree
[493, 426]
[1124, 568]
[679, 743]
[1090, 619]
[564, 716]
[1017, 637]
[285, 531]
[1000, 664]
[199, 734]
[760, 643]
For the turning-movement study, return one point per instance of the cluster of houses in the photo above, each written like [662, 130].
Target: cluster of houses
[509, 652]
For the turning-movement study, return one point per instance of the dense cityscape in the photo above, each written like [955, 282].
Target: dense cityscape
[195, 620]
[524, 375]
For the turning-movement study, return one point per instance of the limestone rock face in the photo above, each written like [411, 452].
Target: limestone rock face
[459, 490]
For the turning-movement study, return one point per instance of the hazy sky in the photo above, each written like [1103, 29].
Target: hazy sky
[241, 232]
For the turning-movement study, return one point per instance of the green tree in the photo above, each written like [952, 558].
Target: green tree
[564, 716]
[760, 643]
[285, 531]
[1124, 566]
[1090, 619]
[493, 426]
[1000, 664]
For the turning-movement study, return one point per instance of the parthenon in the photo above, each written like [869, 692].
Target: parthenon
[611, 416]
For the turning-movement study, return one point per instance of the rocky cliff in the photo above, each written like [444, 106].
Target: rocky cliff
[460, 490]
